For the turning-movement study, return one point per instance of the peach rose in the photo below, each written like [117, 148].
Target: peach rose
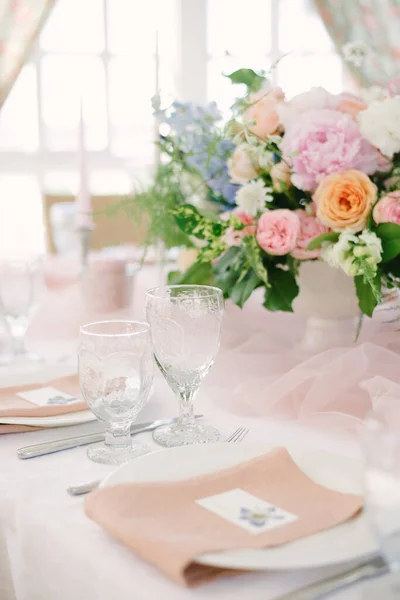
[263, 112]
[280, 175]
[277, 231]
[310, 228]
[345, 200]
[387, 210]
[242, 166]
[350, 104]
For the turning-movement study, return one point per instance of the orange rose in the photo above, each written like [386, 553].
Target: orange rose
[262, 111]
[351, 105]
[345, 200]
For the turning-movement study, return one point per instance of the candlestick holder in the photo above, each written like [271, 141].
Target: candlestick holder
[85, 239]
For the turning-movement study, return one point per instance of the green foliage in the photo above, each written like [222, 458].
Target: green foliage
[252, 80]
[191, 222]
[368, 292]
[282, 290]
[332, 236]
[390, 236]
[244, 287]
[197, 273]
[153, 208]
[254, 257]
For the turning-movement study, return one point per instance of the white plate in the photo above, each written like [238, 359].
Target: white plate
[343, 543]
[72, 418]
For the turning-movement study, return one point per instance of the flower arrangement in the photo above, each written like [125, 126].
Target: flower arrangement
[316, 177]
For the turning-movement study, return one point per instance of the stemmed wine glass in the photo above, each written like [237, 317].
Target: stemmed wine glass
[185, 325]
[115, 364]
[21, 289]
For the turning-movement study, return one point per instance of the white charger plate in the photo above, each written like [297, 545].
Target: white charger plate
[343, 543]
[72, 418]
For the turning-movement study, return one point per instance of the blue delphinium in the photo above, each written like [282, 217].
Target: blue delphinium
[195, 132]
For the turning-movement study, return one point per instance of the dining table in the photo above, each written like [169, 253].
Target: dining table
[262, 380]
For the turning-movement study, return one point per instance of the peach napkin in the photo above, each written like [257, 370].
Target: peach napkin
[12, 405]
[164, 525]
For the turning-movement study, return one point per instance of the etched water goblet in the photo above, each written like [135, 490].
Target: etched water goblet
[185, 323]
[21, 289]
[115, 363]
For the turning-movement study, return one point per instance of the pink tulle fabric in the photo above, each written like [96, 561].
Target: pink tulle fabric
[262, 370]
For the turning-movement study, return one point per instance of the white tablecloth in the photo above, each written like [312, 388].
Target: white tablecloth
[48, 548]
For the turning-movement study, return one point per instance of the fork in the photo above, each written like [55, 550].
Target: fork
[84, 488]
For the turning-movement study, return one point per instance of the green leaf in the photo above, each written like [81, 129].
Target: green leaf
[248, 77]
[388, 231]
[254, 256]
[368, 293]
[244, 287]
[229, 269]
[193, 223]
[392, 267]
[332, 236]
[197, 273]
[282, 291]
[391, 249]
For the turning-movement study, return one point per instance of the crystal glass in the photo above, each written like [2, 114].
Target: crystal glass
[115, 364]
[185, 325]
[21, 289]
[380, 439]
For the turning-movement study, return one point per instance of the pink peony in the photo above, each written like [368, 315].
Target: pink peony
[277, 231]
[316, 98]
[263, 112]
[234, 237]
[387, 210]
[394, 87]
[350, 104]
[310, 228]
[323, 142]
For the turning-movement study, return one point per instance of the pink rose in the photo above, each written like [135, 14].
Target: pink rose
[263, 112]
[323, 142]
[234, 237]
[350, 104]
[242, 166]
[277, 231]
[387, 210]
[394, 87]
[310, 228]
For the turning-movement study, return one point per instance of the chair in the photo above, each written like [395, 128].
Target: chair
[108, 231]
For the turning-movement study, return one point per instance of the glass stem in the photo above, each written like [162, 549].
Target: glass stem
[118, 435]
[186, 418]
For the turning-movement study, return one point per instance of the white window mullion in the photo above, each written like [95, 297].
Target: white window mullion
[192, 33]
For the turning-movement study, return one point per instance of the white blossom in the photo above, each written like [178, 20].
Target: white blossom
[372, 93]
[356, 53]
[380, 125]
[354, 254]
[251, 198]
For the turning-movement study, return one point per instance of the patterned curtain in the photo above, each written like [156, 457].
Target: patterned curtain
[20, 23]
[375, 22]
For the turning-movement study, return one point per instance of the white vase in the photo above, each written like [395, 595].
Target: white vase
[328, 299]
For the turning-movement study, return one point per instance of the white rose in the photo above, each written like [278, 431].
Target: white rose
[380, 125]
[243, 165]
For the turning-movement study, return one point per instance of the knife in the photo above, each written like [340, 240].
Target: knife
[374, 567]
[84, 440]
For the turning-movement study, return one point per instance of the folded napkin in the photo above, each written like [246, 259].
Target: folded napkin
[165, 524]
[56, 397]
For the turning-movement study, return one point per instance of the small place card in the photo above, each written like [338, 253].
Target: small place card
[47, 396]
[247, 511]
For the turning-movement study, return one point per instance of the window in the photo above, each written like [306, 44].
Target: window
[103, 53]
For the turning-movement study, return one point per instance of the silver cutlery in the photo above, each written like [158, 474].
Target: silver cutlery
[374, 567]
[84, 440]
[84, 488]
